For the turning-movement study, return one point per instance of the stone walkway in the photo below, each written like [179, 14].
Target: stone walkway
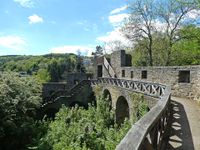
[184, 130]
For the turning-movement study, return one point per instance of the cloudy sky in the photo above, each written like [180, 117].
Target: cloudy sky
[44, 26]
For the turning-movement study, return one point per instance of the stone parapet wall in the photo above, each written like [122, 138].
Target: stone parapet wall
[49, 88]
[168, 75]
[67, 82]
[197, 86]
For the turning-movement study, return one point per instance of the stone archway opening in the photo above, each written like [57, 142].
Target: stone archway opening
[107, 96]
[122, 110]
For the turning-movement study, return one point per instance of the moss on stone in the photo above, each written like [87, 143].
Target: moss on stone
[140, 106]
[97, 90]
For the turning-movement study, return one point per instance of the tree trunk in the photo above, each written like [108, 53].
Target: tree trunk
[150, 51]
[169, 52]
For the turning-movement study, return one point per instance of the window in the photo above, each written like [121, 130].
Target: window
[144, 74]
[123, 73]
[184, 76]
[99, 71]
[131, 74]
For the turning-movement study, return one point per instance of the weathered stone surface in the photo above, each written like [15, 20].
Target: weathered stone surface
[168, 75]
[67, 82]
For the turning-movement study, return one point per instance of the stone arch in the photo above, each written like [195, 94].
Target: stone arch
[106, 94]
[122, 110]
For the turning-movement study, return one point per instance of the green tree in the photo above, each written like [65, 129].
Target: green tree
[140, 55]
[19, 99]
[186, 51]
[140, 24]
[179, 9]
[79, 63]
[54, 70]
[43, 75]
[78, 128]
[53, 65]
[148, 17]
[99, 50]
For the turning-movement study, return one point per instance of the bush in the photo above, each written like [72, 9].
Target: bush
[77, 128]
[19, 99]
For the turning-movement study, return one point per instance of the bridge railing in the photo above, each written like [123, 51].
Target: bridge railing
[148, 88]
[148, 132]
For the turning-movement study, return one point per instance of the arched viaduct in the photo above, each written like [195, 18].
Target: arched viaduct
[121, 98]
[149, 130]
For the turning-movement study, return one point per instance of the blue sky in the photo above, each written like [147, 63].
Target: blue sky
[43, 26]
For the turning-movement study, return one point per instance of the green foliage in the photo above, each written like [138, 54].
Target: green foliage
[43, 75]
[159, 46]
[19, 99]
[73, 128]
[98, 90]
[79, 63]
[54, 69]
[185, 51]
[77, 128]
[45, 68]
[140, 106]
[99, 50]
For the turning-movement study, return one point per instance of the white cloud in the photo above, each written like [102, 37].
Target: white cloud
[193, 14]
[25, 3]
[160, 26]
[116, 16]
[113, 38]
[85, 50]
[13, 42]
[35, 19]
[116, 20]
[118, 10]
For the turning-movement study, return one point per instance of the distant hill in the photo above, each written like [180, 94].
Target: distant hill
[45, 68]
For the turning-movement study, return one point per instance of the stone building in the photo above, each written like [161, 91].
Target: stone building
[67, 82]
[184, 80]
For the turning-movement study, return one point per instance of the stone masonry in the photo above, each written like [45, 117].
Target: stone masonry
[184, 80]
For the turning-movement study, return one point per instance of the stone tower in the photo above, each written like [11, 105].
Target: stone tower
[118, 60]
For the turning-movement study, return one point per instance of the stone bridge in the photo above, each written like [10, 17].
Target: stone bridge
[148, 132]
[171, 123]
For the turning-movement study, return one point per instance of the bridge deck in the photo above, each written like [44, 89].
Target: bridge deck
[184, 130]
